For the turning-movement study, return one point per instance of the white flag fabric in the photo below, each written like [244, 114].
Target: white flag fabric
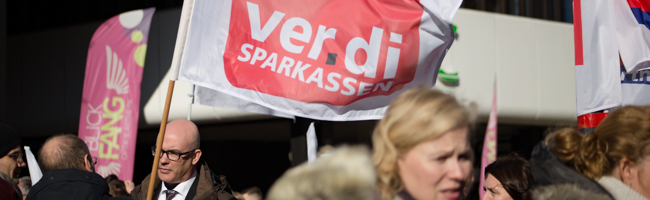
[209, 97]
[633, 20]
[636, 88]
[312, 143]
[612, 46]
[35, 172]
[597, 67]
[336, 60]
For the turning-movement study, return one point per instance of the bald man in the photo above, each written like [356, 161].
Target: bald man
[68, 171]
[182, 174]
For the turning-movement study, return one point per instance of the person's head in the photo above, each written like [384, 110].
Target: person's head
[346, 173]
[237, 195]
[25, 184]
[117, 188]
[11, 156]
[180, 153]
[618, 147]
[110, 178]
[508, 178]
[65, 151]
[253, 193]
[422, 146]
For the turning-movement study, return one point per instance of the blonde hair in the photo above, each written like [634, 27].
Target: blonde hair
[345, 173]
[625, 133]
[418, 115]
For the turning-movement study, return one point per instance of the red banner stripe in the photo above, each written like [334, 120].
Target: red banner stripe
[590, 120]
[577, 32]
[643, 5]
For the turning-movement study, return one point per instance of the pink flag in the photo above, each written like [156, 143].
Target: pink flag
[110, 103]
[489, 154]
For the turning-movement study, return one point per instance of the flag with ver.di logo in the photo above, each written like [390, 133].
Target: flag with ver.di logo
[110, 102]
[324, 59]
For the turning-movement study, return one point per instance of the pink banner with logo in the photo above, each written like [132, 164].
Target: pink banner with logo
[111, 96]
[489, 154]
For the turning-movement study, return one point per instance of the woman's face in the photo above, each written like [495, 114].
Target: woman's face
[437, 169]
[494, 190]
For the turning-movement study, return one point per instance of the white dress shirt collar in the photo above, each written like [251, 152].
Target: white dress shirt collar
[182, 188]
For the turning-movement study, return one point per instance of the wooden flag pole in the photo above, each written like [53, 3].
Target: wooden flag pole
[181, 37]
[159, 141]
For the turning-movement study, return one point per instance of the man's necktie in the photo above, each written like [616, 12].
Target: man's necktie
[170, 194]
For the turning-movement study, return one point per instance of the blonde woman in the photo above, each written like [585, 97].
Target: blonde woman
[616, 154]
[421, 147]
[346, 173]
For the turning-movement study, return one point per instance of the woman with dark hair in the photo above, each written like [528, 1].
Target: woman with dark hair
[508, 178]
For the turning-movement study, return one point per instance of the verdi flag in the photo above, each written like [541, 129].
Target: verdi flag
[489, 153]
[333, 60]
[111, 96]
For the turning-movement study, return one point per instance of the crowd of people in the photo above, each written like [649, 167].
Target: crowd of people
[421, 150]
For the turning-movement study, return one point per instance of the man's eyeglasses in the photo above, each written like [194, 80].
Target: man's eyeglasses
[92, 160]
[18, 157]
[171, 155]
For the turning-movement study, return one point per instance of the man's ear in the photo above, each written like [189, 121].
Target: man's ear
[197, 156]
[87, 165]
[627, 168]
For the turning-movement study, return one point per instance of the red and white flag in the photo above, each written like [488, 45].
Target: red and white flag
[110, 103]
[633, 23]
[612, 53]
[333, 60]
[597, 67]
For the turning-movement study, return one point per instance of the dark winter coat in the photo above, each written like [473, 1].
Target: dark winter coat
[547, 170]
[566, 192]
[70, 184]
[206, 186]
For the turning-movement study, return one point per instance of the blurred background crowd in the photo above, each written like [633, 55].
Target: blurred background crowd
[421, 149]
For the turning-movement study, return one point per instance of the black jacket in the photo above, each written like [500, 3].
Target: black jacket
[70, 184]
[206, 186]
[547, 170]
